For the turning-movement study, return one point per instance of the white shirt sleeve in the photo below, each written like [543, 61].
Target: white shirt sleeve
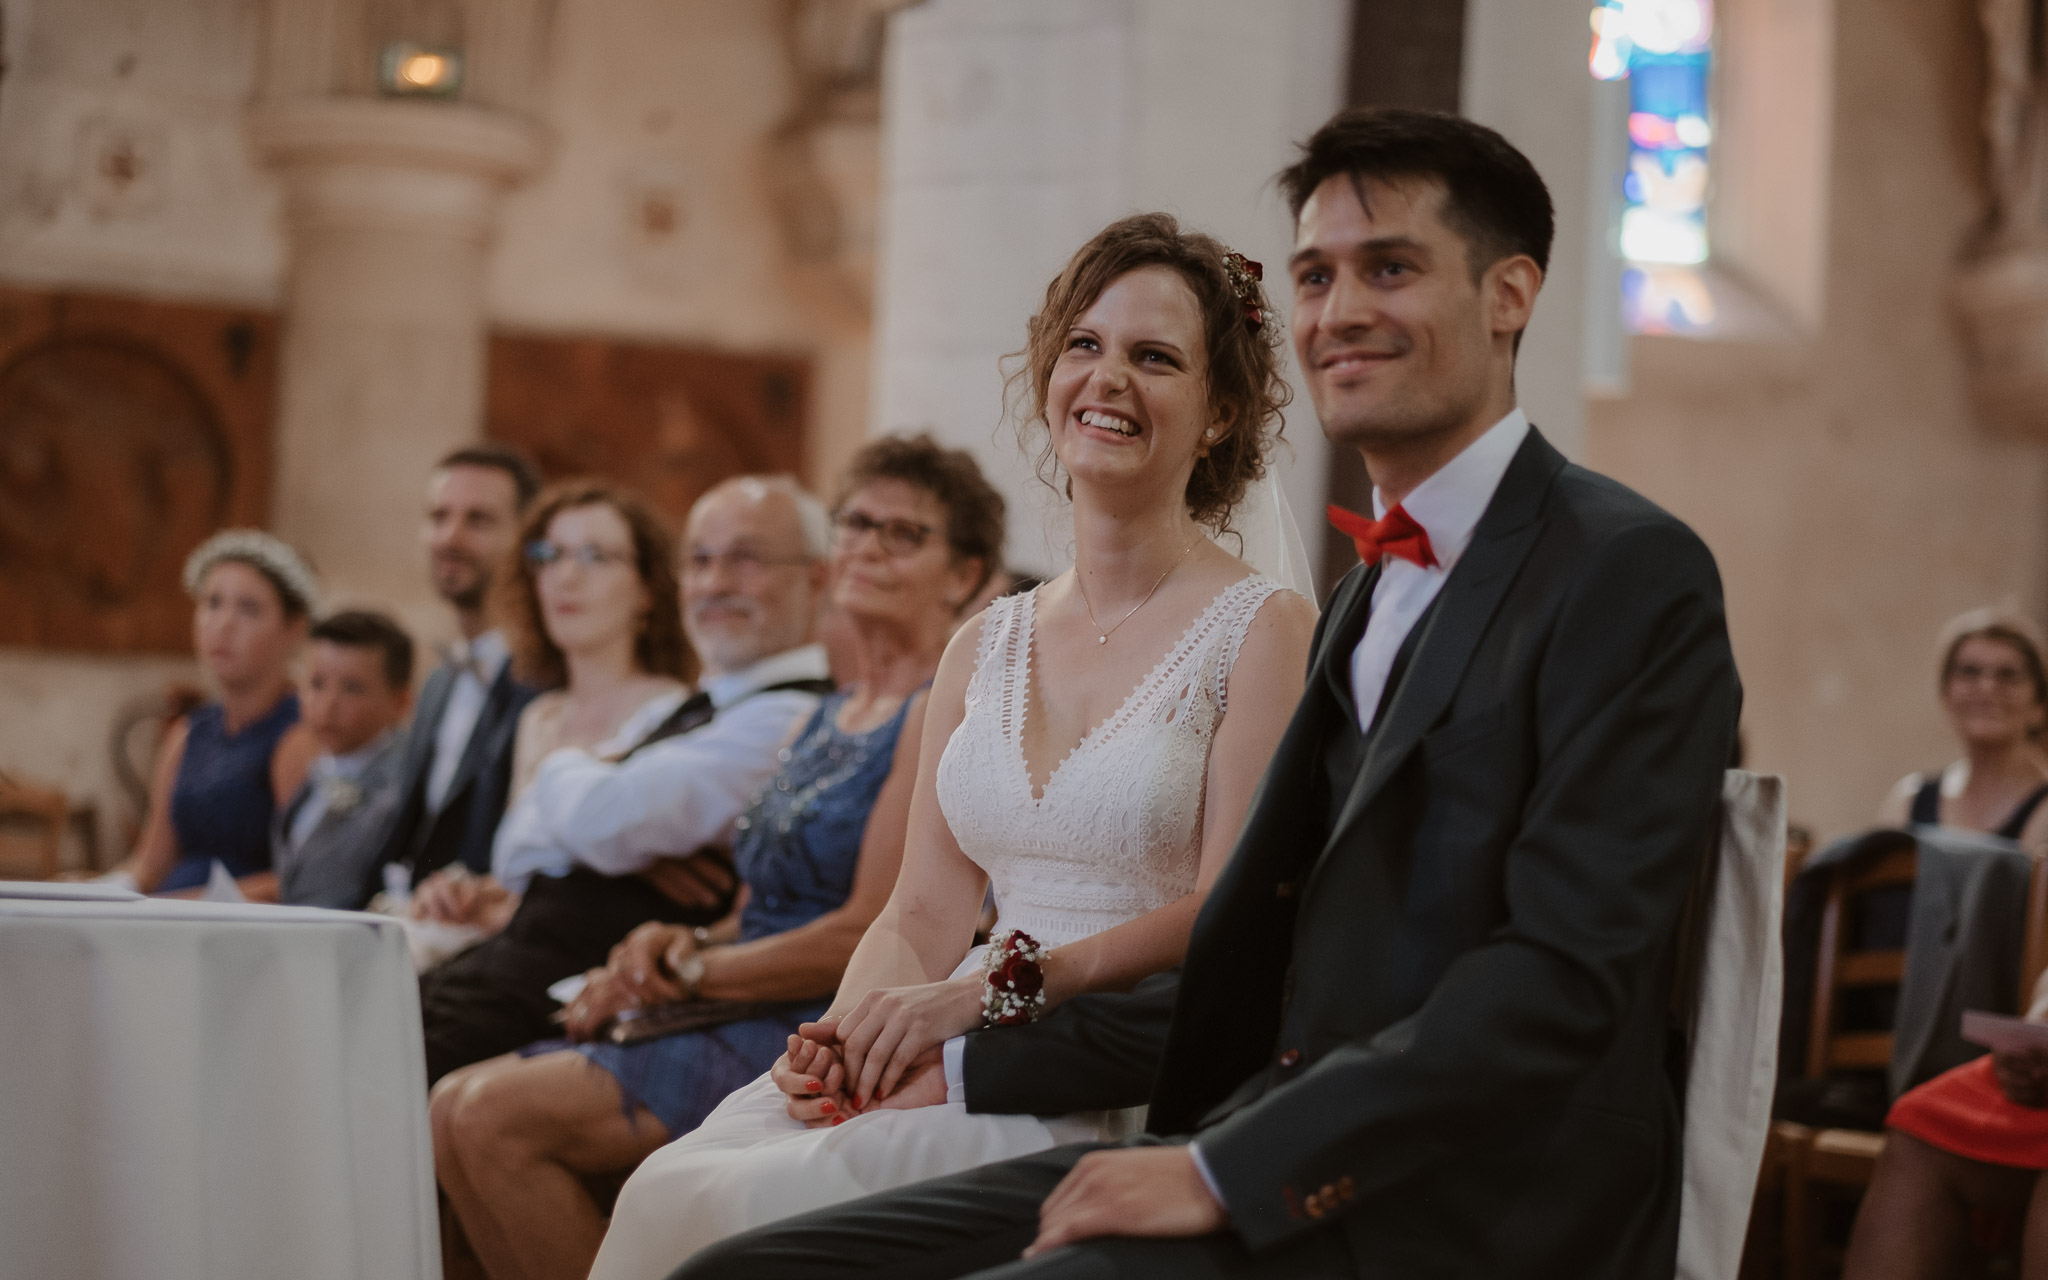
[953, 1059]
[671, 798]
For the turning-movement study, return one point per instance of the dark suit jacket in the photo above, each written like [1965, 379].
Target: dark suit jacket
[463, 829]
[1440, 1024]
[339, 856]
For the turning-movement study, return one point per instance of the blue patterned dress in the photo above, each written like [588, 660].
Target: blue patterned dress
[796, 849]
[220, 801]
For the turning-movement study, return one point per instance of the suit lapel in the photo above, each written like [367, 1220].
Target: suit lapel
[497, 701]
[1453, 627]
[419, 745]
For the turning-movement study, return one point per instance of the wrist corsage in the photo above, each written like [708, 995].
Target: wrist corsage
[1013, 981]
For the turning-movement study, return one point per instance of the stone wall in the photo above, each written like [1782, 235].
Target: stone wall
[126, 166]
[1837, 472]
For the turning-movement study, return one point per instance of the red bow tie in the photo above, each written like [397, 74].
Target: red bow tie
[1396, 534]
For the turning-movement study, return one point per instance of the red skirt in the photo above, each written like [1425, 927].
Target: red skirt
[1962, 1112]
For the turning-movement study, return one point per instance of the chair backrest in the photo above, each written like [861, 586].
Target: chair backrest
[45, 807]
[1730, 943]
[1841, 967]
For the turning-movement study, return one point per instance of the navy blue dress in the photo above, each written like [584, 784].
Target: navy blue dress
[795, 849]
[221, 801]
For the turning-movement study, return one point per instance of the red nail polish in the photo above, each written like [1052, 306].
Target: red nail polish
[838, 1119]
[828, 1108]
[814, 1086]
[858, 1103]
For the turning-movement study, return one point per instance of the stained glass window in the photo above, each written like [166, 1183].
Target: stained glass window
[1664, 49]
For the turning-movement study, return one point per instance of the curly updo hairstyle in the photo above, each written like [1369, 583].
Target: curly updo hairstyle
[1245, 381]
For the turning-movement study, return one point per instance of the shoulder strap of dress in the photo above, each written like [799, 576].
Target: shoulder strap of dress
[1241, 602]
[999, 638]
[2016, 824]
[1926, 810]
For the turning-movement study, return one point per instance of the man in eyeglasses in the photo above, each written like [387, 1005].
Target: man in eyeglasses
[606, 845]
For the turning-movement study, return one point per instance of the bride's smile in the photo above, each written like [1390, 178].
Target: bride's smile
[1129, 395]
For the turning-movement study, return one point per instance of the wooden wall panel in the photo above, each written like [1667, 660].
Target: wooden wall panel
[668, 421]
[129, 431]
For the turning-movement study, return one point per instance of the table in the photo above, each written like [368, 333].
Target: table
[210, 1091]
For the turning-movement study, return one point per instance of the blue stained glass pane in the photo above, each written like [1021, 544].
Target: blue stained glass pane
[1669, 86]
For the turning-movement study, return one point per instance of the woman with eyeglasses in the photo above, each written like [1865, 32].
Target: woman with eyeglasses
[1972, 1143]
[591, 610]
[1994, 688]
[917, 532]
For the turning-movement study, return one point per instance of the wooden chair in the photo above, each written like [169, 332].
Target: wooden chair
[1806, 1157]
[48, 809]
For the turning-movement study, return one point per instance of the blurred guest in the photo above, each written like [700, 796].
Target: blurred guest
[1972, 1141]
[458, 754]
[1995, 690]
[222, 767]
[818, 851]
[591, 612]
[354, 696]
[586, 847]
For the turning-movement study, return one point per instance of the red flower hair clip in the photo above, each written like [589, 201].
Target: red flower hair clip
[1244, 276]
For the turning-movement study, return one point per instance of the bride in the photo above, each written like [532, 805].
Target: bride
[1089, 752]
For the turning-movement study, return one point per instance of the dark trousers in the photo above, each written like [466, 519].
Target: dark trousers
[493, 998]
[977, 1223]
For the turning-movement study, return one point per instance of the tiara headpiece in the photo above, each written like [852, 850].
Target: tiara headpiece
[269, 554]
[1244, 276]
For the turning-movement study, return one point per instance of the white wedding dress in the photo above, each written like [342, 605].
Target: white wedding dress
[1116, 833]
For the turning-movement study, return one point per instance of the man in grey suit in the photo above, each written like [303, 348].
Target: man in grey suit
[357, 687]
[457, 759]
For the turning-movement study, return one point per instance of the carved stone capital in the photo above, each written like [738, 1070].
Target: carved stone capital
[397, 164]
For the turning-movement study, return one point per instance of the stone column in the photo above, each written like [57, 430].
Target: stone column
[390, 212]
[1014, 132]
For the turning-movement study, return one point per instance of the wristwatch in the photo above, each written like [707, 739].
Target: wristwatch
[691, 973]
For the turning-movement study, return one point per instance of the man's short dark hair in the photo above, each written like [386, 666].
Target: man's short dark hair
[525, 476]
[1493, 197]
[367, 629]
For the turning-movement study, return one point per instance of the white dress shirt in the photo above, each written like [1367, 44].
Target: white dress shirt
[329, 777]
[672, 798]
[488, 653]
[1447, 505]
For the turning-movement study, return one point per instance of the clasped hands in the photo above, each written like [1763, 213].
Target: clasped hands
[883, 1054]
[887, 1055]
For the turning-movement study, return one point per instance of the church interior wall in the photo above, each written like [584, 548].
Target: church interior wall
[126, 169]
[1852, 497]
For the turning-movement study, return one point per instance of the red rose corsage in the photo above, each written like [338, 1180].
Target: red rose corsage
[1013, 981]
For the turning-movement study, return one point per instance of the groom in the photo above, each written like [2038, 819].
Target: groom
[1423, 1028]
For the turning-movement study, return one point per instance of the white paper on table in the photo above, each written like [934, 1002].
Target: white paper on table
[221, 886]
[2002, 1033]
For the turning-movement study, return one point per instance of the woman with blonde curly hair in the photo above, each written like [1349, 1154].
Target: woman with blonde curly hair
[1089, 753]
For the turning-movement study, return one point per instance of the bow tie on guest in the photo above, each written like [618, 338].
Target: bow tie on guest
[461, 656]
[1394, 534]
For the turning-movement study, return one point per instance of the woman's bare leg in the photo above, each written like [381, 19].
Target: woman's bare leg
[513, 1138]
[1915, 1218]
[2034, 1236]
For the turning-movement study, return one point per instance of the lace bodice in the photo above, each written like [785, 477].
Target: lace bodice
[1117, 831]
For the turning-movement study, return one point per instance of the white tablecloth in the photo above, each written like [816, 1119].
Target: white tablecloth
[199, 1091]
